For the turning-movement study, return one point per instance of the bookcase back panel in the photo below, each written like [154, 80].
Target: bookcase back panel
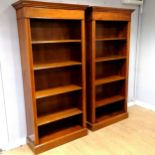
[59, 103]
[48, 53]
[110, 110]
[110, 68]
[51, 78]
[110, 48]
[43, 29]
[59, 128]
[111, 29]
[109, 90]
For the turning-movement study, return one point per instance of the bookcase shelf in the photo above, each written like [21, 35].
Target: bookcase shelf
[108, 111]
[110, 48]
[47, 56]
[110, 39]
[52, 43]
[109, 100]
[107, 65]
[56, 91]
[110, 58]
[42, 66]
[108, 80]
[72, 126]
[108, 116]
[42, 120]
[68, 131]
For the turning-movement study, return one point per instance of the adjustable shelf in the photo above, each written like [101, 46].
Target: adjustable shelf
[54, 41]
[42, 66]
[42, 120]
[56, 91]
[110, 39]
[107, 64]
[110, 58]
[52, 44]
[109, 100]
[109, 80]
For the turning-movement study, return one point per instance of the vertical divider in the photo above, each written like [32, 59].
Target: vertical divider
[83, 72]
[93, 67]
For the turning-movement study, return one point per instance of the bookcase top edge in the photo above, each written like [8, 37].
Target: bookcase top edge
[49, 5]
[110, 9]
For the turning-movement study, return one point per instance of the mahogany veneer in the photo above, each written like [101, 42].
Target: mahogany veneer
[108, 36]
[52, 45]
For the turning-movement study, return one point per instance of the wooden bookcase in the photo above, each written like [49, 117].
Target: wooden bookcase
[108, 36]
[52, 45]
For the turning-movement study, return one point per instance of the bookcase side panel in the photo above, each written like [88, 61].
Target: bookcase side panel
[83, 71]
[90, 29]
[127, 63]
[28, 78]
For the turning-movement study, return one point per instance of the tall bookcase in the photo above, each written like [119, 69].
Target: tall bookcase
[108, 37]
[52, 45]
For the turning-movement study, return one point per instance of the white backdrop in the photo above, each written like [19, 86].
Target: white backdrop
[3, 122]
[145, 82]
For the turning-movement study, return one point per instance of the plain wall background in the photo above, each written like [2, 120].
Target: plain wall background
[145, 81]
[3, 123]
[11, 65]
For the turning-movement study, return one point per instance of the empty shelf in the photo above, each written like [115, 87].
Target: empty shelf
[45, 119]
[56, 65]
[56, 91]
[109, 100]
[60, 133]
[110, 39]
[110, 58]
[55, 41]
[109, 115]
[108, 80]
